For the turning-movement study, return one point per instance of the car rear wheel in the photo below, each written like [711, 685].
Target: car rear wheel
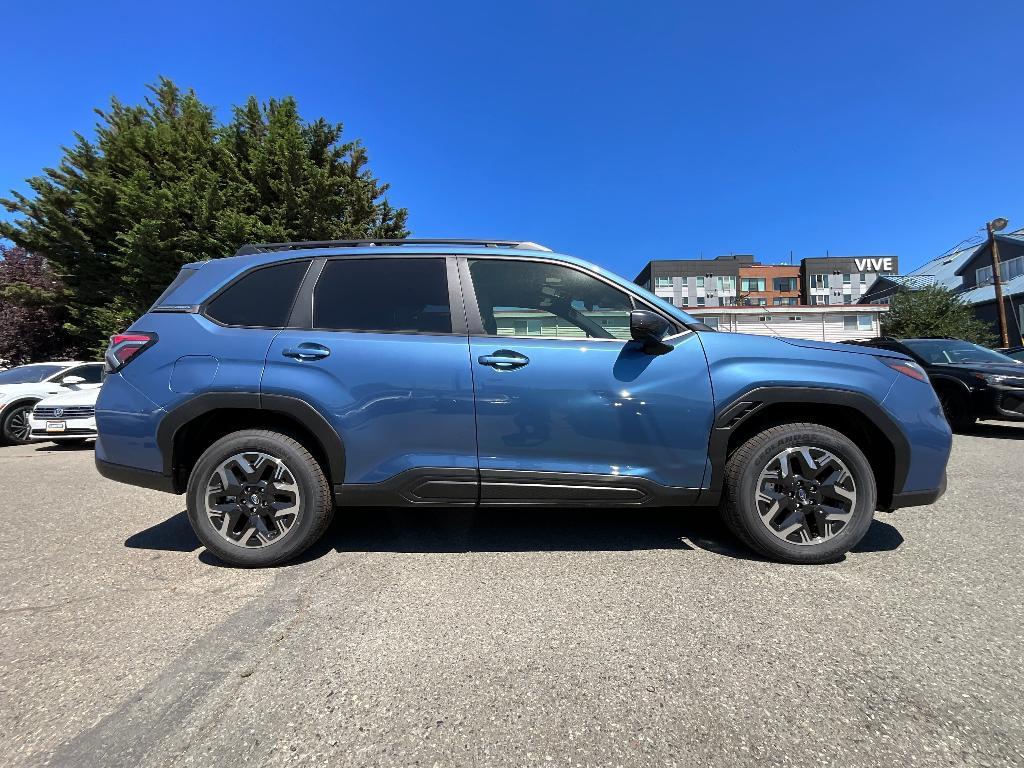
[258, 498]
[16, 428]
[799, 493]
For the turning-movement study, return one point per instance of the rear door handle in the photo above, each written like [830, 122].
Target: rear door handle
[504, 360]
[307, 351]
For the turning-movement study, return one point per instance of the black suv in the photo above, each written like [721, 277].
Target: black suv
[972, 382]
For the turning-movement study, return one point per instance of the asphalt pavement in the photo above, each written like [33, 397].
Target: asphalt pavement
[508, 637]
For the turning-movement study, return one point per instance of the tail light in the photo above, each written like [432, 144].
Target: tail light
[907, 368]
[124, 347]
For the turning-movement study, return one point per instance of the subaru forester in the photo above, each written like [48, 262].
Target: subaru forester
[277, 385]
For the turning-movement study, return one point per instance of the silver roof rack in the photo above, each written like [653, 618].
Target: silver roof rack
[250, 248]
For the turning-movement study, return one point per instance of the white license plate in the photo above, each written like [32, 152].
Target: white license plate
[56, 426]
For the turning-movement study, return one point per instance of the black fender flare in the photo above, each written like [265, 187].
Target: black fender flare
[208, 402]
[741, 408]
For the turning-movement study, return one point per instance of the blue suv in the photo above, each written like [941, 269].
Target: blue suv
[275, 385]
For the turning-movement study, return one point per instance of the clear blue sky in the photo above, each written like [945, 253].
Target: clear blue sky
[618, 132]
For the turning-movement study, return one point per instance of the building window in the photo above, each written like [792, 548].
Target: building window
[785, 284]
[796, 318]
[857, 322]
[863, 279]
[752, 284]
[727, 301]
[727, 283]
[819, 281]
[700, 281]
[1007, 271]
[686, 301]
[701, 301]
[790, 301]
[764, 319]
[663, 282]
[711, 322]
[847, 278]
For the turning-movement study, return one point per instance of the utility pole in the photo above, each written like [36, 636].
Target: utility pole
[994, 226]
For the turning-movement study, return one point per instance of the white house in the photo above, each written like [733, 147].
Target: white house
[817, 323]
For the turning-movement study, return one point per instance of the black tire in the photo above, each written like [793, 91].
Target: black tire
[314, 503]
[740, 502]
[12, 428]
[957, 409]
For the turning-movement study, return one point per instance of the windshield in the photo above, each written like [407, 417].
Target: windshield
[29, 374]
[952, 351]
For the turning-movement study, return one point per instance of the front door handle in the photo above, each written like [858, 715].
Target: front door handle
[504, 360]
[307, 351]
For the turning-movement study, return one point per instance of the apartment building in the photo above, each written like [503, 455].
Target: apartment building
[842, 279]
[696, 282]
[740, 280]
[763, 285]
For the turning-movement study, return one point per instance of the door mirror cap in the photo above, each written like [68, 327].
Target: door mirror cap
[648, 327]
[70, 381]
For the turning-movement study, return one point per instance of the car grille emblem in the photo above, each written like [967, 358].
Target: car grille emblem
[58, 412]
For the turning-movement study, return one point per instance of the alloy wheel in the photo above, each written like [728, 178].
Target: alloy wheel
[253, 499]
[18, 426]
[806, 495]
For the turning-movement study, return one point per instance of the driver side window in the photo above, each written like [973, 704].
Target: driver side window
[541, 300]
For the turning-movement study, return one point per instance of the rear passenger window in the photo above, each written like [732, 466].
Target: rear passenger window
[261, 299]
[396, 295]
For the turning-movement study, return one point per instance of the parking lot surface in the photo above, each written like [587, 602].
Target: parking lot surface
[509, 637]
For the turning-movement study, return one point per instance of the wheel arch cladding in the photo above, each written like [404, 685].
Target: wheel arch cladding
[853, 414]
[191, 428]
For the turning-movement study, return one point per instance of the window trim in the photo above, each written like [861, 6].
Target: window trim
[205, 305]
[475, 321]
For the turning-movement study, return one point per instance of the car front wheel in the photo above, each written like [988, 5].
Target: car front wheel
[16, 428]
[258, 498]
[799, 493]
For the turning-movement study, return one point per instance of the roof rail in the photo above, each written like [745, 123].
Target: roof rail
[250, 248]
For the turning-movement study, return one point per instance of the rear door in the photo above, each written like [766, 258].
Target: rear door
[569, 409]
[383, 355]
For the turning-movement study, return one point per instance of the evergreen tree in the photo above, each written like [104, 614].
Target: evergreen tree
[163, 184]
[934, 312]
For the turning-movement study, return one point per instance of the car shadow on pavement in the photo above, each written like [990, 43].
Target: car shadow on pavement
[172, 535]
[88, 445]
[453, 530]
[1003, 431]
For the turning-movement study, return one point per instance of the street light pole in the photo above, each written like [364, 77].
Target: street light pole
[997, 279]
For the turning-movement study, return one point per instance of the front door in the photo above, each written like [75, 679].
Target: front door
[568, 408]
[386, 361]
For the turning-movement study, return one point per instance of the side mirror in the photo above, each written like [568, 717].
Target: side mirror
[648, 327]
[70, 381]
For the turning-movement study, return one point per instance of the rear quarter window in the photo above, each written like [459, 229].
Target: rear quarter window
[176, 283]
[260, 299]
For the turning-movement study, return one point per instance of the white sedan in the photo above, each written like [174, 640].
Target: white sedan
[69, 417]
[22, 387]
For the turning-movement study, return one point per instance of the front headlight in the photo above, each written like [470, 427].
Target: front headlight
[1001, 380]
